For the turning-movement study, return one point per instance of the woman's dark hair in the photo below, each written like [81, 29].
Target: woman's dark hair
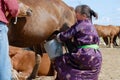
[85, 9]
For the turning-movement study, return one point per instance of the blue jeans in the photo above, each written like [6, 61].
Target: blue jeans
[5, 63]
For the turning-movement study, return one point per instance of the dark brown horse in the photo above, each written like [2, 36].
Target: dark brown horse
[47, 17]
[108, 33]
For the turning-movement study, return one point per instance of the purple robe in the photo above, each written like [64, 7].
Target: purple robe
[85, 64]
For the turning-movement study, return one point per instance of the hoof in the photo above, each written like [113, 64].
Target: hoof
[30, 78]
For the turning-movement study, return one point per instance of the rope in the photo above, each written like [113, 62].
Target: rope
[15, 22]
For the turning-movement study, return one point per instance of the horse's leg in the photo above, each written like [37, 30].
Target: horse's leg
[111, 41]
[118, 35]
[105, 39]
[114, 41]
[119, 41]
[38, 54]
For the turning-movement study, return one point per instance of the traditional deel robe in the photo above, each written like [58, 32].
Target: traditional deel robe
[85, 63]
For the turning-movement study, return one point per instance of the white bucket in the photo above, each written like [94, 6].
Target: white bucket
[53, 48]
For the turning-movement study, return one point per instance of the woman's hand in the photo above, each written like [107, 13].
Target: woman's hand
[64, 27]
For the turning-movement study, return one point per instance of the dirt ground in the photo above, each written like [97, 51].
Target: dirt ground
[110, 66]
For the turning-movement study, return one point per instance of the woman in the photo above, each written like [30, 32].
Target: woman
[85, 63]
[11, 7]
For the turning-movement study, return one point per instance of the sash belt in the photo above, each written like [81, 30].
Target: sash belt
[94, 46]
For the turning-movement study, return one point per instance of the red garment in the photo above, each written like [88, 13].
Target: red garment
[8, 5]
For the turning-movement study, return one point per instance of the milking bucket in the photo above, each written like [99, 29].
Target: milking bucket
[53, 48]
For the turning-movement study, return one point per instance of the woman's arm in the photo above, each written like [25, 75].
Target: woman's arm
[12, 7]
[68, 34]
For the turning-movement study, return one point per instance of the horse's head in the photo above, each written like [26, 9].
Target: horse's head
[24, 10]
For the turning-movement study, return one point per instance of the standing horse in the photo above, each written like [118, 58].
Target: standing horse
[115, 38]
[106, 32]
[47, 17]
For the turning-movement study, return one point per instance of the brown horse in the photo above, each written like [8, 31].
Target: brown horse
[115, 38]
[23, 62]
[47, 17]
[106, 32]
